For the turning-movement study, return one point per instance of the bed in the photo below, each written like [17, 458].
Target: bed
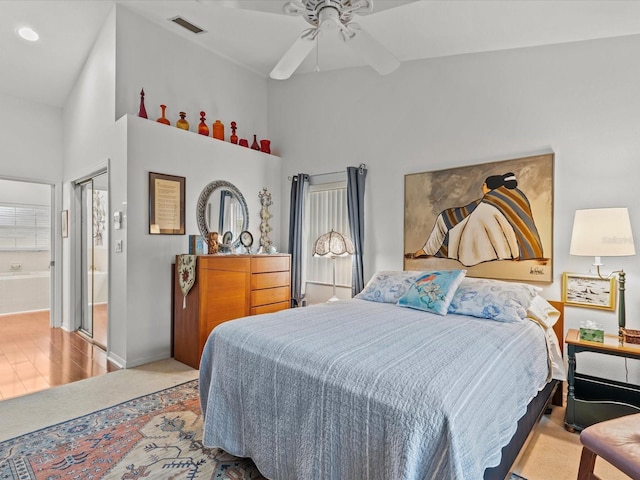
[366, 389]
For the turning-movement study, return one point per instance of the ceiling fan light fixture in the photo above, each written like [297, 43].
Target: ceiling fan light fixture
[329, 19]
[333, 16]
[362, 7]
[294, 8]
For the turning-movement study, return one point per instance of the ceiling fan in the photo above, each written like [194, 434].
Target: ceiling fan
[333, 16]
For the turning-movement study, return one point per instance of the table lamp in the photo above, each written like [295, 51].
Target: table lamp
[604, 232]
[333, 245]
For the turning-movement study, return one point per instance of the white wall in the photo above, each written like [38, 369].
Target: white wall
[129, 54]
[578, 100]
[31, 148]
[89, 111]
[158, 148]
[184, 77]
[30, 140]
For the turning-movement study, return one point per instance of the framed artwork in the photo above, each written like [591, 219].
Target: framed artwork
[64, 223]
[166, 204]
[494, 220]
[590, 291]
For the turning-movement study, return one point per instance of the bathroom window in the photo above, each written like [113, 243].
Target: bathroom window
[24, 227]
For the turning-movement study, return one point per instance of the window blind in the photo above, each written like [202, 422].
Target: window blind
[24, 227]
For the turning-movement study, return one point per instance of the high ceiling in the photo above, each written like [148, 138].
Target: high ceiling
[253, 33]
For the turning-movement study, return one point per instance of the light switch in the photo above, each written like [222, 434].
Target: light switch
[117, 220]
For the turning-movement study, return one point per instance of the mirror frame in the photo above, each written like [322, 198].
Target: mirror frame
[201, 208]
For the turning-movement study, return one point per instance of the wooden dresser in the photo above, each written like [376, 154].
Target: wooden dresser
[227, 287]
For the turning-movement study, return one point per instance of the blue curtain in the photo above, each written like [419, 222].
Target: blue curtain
[356, 177]
[296, 212]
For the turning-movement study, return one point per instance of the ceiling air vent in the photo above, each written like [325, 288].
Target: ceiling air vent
[187, 24]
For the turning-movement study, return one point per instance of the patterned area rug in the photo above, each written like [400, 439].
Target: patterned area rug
[155, 437]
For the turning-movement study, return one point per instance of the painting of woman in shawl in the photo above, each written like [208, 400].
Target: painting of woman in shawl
[495, 235]
[498, 226]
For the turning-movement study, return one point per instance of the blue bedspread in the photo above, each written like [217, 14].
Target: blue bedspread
[356, 390]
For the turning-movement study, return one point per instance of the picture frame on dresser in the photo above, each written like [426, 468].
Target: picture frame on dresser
[589, 291]
[166, 204]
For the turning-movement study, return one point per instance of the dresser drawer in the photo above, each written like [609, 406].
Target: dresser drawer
[230, 263]
[274, 307]
[269, 280]
[269, 295]
[270, 263]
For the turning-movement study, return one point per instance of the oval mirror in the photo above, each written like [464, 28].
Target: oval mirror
[221, 208]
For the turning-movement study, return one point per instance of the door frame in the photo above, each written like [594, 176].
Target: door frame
[75, 247]
[55, 253]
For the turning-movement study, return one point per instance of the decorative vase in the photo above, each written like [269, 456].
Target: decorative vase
[182, 123]
[244, 142]
[142, 112]
[218, 130]
[202, 127]
[265, 146]
[255, 145]
[163, 119]
[233, 138]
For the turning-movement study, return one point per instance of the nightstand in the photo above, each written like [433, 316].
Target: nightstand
[593, 399]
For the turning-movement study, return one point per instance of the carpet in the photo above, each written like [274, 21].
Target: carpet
[154, 437]
[157, 436]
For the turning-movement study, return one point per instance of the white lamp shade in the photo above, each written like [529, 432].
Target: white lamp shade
[602, 232]
[333, 244]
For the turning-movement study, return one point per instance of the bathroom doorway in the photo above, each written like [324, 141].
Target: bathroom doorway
[26, 248]
[94, 257]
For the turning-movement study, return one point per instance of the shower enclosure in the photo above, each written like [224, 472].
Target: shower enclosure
[94, 257]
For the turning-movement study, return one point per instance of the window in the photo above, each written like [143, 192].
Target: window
[327, 210]
[24, 227]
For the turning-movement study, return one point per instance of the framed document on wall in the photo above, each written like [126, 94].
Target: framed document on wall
[166, 204]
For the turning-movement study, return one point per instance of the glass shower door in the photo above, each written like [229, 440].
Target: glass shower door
[94, 258]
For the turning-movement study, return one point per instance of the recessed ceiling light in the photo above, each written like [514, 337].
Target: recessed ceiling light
[28, 34]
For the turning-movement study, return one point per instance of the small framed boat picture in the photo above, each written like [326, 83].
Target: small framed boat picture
[589, 291]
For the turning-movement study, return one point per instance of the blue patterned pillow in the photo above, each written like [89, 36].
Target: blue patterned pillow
[433, 291]
[493, 299]
[388, 286]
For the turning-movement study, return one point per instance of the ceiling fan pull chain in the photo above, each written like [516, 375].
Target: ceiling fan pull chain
[317, 69]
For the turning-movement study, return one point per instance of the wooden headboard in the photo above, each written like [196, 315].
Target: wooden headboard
[559, 325]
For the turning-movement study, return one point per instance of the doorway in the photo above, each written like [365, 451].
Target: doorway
[26, 247]
[94, 257]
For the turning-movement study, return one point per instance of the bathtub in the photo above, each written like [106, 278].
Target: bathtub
[30, 291]
[100, 289]
[24, 291]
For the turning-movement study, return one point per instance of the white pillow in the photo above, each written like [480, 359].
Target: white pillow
[558, 371]
[543, 312]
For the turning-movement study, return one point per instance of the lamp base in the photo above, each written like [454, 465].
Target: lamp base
[333, 299]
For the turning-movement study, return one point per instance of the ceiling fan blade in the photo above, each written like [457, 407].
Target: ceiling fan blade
[296, 54]
[372, 51]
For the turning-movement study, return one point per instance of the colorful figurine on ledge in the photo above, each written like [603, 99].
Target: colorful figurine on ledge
[164, 120]
[142, 112]
[182, 123]
[202, 128]
[233, 138]
[218, 130]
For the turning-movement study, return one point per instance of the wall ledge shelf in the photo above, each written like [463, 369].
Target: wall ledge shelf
[173, 130]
